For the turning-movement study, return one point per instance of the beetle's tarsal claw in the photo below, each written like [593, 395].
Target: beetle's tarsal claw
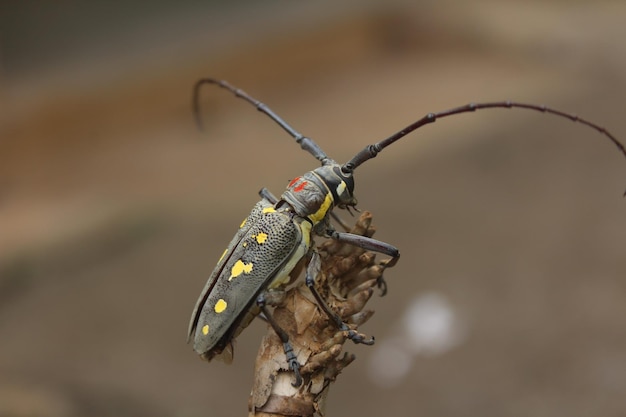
[359, 338]
[294, 365]
[298, 381]
[382, 285]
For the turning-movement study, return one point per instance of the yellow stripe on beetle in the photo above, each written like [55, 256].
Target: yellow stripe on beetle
[321, 212]
[341, 188]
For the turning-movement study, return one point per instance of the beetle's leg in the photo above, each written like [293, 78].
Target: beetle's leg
[370, 244]
[272, 298]
[292, 360]
[312, 271]
[267, 194]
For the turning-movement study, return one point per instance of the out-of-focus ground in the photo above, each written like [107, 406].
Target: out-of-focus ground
[114, 209]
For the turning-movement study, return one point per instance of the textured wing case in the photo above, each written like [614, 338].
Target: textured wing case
[254, 217]
[255, 255]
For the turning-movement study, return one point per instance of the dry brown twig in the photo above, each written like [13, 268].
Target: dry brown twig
[347, 280]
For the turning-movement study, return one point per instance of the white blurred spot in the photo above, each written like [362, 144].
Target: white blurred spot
[389, 363]
[429, 327]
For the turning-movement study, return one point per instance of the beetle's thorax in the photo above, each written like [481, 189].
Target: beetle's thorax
[314, 194]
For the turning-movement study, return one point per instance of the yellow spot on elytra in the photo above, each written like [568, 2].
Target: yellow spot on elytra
[243, 223]
[223, 254]
[240, 268]
[205, 329]
[261, 238]
[268, 210]
[321, 212]
[220, 306]
[245, 244]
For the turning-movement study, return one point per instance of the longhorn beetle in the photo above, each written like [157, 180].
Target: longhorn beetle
[277, 236]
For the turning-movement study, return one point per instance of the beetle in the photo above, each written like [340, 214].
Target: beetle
[277, 236]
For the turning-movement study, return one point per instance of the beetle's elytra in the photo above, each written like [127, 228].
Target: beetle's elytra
[278, 235]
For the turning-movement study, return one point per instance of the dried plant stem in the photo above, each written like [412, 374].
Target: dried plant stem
[347, 280]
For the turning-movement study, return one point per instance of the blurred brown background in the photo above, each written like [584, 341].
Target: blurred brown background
[114, 208]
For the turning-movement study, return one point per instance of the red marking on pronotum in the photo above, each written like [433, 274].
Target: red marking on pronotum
[292, 182]
[300, 186]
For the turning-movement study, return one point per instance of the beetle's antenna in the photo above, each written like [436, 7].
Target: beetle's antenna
[306, 143]
[371, 151]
